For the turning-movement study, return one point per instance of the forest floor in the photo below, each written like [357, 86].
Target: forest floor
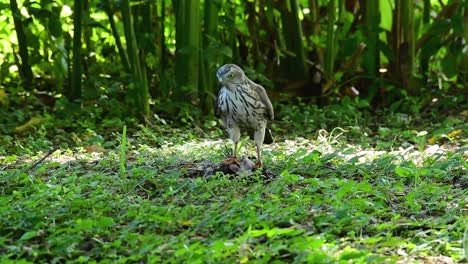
[340, 184]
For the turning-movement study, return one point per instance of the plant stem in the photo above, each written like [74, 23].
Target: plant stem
[75, 92]
[25, 68]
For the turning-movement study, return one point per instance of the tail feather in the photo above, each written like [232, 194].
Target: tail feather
[268, 136]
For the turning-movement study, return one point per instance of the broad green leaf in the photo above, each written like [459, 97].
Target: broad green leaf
[312, 156]
[103, 222]
[404, 171]
[28, 235]
[386, 14]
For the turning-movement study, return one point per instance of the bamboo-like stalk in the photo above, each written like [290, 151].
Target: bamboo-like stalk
[180, 78]
[144, 90]
[163, 58]
[164, 80]
[295, 66]
[396, 39]
[122, 53]
[232, 35]
[143, 25]
[427, 11]
[25, 68]
[87, 30]
[87, 58]
[208, 82]
[137, 69]
[75, 92]
[371, 60]
[314, 15]
[330, 49]
[187, 47]
[464, 77]
[424, 59]
[132, 51]
[408, 32]
[146, 19]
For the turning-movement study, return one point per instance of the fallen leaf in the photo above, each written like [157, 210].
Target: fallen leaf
[454, 133]
[432, 140]
[94, 148]
[186, 223]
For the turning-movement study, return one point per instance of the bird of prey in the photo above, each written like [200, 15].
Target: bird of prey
[243, 104]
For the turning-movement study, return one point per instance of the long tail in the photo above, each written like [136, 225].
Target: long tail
[268, 136]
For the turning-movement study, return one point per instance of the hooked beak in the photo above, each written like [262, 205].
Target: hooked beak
[220, 78]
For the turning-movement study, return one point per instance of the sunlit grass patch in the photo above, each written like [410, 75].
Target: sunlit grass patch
[336, 195]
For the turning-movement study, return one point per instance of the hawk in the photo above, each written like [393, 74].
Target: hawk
[243, 104]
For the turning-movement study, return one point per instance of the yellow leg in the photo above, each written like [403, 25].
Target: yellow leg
[233, 159]
[259, 162]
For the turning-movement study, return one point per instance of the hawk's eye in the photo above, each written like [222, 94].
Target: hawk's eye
[230, 76]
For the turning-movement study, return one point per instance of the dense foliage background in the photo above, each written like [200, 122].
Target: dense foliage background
[163, 54]
[108, 142]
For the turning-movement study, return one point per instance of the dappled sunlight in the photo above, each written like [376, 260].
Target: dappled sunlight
[216, 149]
[356, 153]
[59, 157]
[329, 191]
[193, 147]
[116, 121]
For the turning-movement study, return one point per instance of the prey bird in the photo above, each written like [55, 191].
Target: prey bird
[243, 104]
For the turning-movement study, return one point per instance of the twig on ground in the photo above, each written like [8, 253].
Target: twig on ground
[9, 166]
[42, 159]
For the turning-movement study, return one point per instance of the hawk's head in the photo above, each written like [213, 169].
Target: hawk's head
[231, 74]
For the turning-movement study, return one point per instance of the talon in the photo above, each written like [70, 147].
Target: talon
[230, 161]
[258, 164]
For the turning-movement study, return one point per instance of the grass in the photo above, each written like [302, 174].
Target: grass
[348, 186]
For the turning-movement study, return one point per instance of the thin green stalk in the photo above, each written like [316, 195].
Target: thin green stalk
[465, 239]
[464, 77]
[162, 35]
[75, 92]
[25, 68]
[396, 39]
[139, 77]
[122, 53]
[232, 35]
[132, 51]
[208, 84]
[87, 30]
[165, 80]
[292, 33]
[330, 49]
[123, 155]
[371, 60]
[424, 59]
[314, 16]
[408, 32]
[187, 47]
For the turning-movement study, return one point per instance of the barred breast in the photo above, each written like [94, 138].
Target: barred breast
[242, 106]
